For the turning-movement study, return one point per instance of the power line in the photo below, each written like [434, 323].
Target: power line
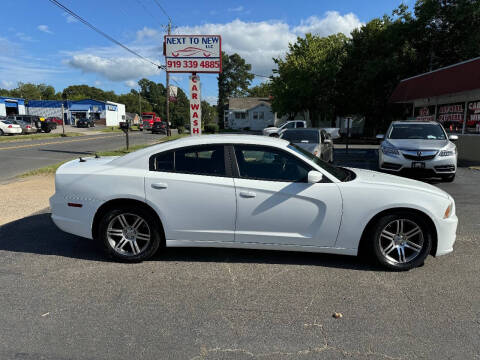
[149, 13]
[85, 22]
[163, 10]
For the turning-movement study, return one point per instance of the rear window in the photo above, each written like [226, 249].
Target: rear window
[307, 137]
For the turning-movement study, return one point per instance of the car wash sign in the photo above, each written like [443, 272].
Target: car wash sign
[193, 53]
[195, 106]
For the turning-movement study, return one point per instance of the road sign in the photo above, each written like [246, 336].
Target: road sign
[193, 53]
[195, 106]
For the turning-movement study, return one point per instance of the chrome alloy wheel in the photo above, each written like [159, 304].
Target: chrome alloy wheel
[401, 241]
[128, 234]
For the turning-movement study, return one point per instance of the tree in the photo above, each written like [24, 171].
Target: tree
[262, 90]
[209, 113]
[446, 31]
[306, 78]
[232, 81]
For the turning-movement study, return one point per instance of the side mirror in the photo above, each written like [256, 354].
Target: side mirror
[380, 136]
[314, 177]
[453, 138]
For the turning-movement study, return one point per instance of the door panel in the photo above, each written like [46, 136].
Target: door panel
[193, 207]
[287, 213]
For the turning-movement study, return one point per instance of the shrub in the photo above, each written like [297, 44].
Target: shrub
[211, 128]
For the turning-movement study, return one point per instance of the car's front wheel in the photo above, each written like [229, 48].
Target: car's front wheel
[401, 241]
[129, 235]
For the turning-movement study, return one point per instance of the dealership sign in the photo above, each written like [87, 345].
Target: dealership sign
[193, 53]
[195, 106]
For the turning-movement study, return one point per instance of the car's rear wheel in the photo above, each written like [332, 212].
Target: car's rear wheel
[401, 241]
[129, 235]
[1, 132]
[274, 135]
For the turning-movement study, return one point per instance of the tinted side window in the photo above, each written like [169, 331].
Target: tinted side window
[300, 124]
[204, 160]
[265, 163]
[164, 161]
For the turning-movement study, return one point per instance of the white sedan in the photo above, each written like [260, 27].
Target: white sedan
[241, 191]
[10, 128]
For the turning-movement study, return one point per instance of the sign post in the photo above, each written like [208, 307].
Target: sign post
[195, 106]
[193, 54]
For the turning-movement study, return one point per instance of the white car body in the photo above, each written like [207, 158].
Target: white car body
[438, 157]
[232, 212]
[293, 124]
[9, 128]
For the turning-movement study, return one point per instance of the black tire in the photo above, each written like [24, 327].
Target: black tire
[274, 135]
[1, 132]
[380, 246]
[47, 130]
[109, 242]
[448, 178]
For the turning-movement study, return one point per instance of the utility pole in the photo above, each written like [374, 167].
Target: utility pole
[169, 31]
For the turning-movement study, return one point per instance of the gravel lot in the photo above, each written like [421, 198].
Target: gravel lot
[60, 299]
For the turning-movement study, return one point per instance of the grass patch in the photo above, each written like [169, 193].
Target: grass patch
[117, 129]
[8, 138]
[46, 170]
[51, 169]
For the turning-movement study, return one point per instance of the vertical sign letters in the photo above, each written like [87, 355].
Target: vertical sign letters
[195, 106]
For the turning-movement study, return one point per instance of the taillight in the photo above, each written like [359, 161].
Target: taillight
[10, 126]
[28, 127]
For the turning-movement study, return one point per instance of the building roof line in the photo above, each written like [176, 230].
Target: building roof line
[440, 69]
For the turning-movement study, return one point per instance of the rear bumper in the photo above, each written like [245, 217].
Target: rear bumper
[446, 235]
[76, 221]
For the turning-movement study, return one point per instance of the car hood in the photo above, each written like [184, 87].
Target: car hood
[417, 144]
[310, 147]
[380, 179]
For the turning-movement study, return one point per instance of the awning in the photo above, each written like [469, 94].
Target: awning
[78, 107]
[461, 77]
[11, 103]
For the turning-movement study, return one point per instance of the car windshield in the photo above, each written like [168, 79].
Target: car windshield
[300, 136]
[147, 117]
[417, 131]
[339, 172]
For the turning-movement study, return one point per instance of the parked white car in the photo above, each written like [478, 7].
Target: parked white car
[241, 191]
[419, 148]
[293, 124]
[7, 127]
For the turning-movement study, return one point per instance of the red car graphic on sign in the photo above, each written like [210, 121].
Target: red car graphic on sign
[191, 51]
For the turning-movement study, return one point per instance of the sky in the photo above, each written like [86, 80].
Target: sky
[40, 43]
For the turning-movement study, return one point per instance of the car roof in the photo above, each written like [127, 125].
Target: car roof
[202, 140]
[415, 122]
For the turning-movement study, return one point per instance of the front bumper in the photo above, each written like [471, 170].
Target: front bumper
[439, 165]
[446, 235]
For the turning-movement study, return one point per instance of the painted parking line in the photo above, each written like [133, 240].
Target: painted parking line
[58, 142]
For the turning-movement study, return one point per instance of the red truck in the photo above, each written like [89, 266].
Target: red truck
[148, 118]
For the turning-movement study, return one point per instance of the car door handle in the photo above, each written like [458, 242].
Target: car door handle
[159, 185]
[247, 194]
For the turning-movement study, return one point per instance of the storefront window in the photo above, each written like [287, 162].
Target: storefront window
[451, 116]
[473, 117]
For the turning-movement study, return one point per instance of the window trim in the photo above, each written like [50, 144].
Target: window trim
[226, 159]
[236, 169]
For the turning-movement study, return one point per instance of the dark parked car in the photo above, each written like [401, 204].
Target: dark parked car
[48, 125]
[85, 123]
[159, 127]
[34, 122]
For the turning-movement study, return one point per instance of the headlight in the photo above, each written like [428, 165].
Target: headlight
[448, 212]
[447, 153]
[390, 151]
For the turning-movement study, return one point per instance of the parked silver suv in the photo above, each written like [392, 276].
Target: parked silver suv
[419, 148]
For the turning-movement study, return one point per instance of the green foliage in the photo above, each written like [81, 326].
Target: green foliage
[262, 90]
[306, 77]
[233, 81]
[211, 128]
[209, 113]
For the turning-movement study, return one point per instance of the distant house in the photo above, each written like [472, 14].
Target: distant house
[253, 113]
[133, 118]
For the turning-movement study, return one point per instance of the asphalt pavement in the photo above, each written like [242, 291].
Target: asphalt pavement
[61, 299]
[19, 157]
